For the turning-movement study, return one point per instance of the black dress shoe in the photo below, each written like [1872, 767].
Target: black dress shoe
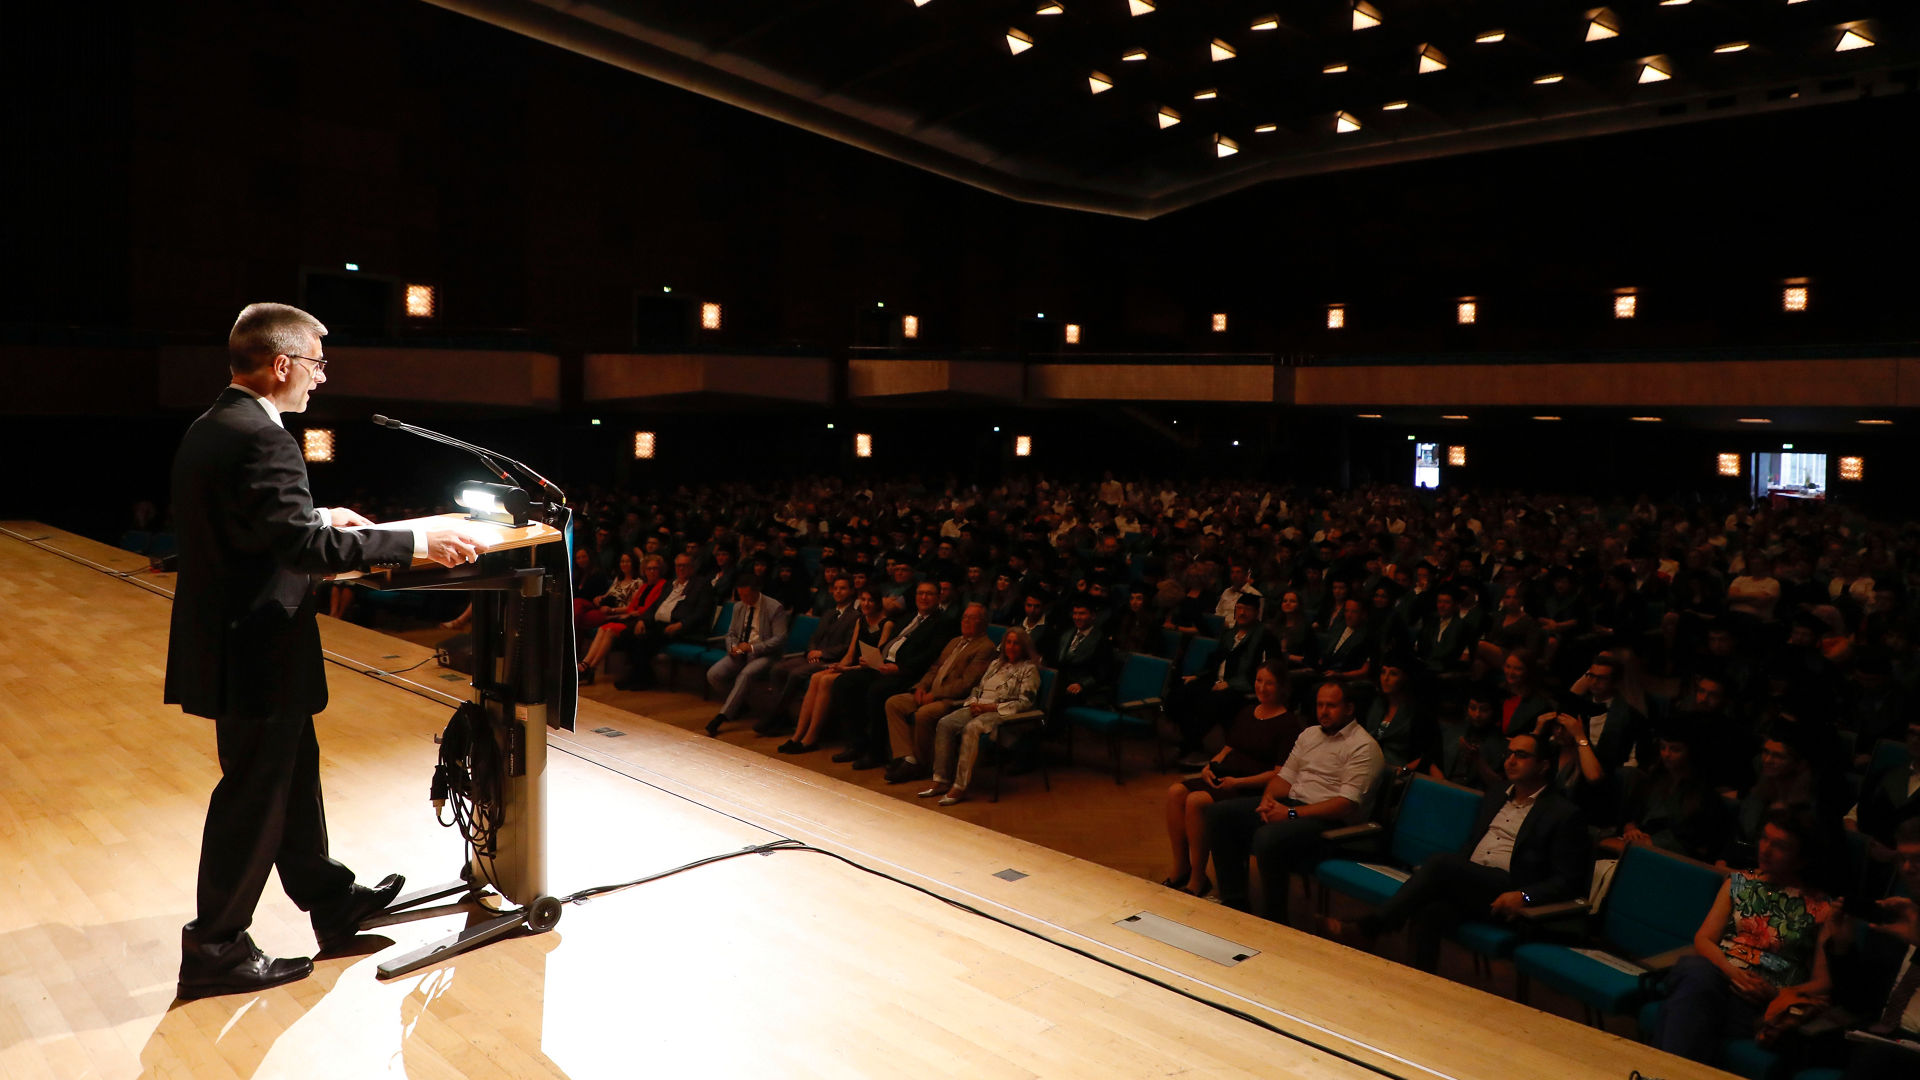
[869, 761]
[851, 753]
[903, 771]
[237, 967]
[713, 725]
[337, 926]
[793, 746]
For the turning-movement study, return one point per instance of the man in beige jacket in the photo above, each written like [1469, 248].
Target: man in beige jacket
[911, 716]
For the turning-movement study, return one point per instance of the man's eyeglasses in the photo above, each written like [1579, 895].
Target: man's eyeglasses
[319, 365]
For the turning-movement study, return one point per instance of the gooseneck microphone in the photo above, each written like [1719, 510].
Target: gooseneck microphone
[527, 476]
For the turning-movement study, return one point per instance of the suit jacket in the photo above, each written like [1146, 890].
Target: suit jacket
[1552, 855]
[694, 612]
[1357, 651]
[1441, 652]
[769, 621]
[923, 645]
[965, 660]
[1087, 665]
[244, 641]
[1242, 659]
[835, 632]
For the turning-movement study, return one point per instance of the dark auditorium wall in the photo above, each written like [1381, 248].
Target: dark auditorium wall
[181, 158]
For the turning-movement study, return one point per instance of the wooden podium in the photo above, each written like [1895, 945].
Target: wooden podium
[523, 683]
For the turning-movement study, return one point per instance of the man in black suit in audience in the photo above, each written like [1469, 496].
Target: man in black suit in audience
[684, 613]
[860, 696]
[1530, 846]
[1081, 656]
[244, 651]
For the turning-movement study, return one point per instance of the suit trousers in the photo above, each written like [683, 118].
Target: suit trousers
[1445, 891]
[266, 814]
[790, 678]
[1281, 847]
[860, 702]
[910, 727]
[732, 675]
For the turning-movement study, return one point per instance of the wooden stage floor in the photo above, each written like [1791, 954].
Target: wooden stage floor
[788, 964]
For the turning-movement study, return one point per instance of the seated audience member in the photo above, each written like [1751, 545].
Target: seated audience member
[1135, 628]
[1292, 630]
[1760, 963]
[1529, 846]
[1678, 810]
[1893, 797]
[1199, 703]
[1347, 648]
[1258, 740]
[1237, 586]
[1508, 629]
[871, 629]
[1196, 600]
[1525, 698]
[1007, 688]
[1082, 658]
[589, 584]
[615, 624]
[1324, 784]
[793, 675]
[1786, 778]
[1605, 734]
[755, 639]
[685, 613]
[1896, 929]
[859, 697]
[1006, 605]
[1398, 719]
[1443, 643]
[1472, 753]
[611, 599]
[721, 570]
[1033, 620]
[911, 716]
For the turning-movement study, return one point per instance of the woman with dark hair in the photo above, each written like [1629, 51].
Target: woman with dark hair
[1293, 628]
[1679, 810]
[644, 592]
[1258, 741]
[1526, 698]
[1398, 719]
[1510, 628]
[618, 591]
[873, 629]
[1760, 963]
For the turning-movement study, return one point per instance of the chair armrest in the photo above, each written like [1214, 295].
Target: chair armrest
[1353, 832]
[1564, 908]
[1141, 704]
[1665, 960]
[716, 639]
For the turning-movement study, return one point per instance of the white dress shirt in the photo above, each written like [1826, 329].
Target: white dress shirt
[1496, 847]
[1344, 765]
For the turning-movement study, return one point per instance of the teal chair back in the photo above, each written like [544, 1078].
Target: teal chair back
[1887, 754]
[1657, 901]
[1142, 676]
[1170, 642]
[800, 632]
[1199, 651]
[722, 618]
[1435, 817]
[1044, 699]
[995, 632]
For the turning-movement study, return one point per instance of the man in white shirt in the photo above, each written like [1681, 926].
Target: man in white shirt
[1324, 784]
[1530, 846]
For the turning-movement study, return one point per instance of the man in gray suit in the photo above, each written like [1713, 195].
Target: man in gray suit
[755, 638]
[829, 645]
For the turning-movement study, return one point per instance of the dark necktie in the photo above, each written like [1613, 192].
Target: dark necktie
[1902, 995]
[746, 632]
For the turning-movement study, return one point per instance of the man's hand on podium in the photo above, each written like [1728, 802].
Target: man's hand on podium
[451, 547]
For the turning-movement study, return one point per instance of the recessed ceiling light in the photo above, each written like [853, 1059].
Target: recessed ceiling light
[1548, 80]
[1099, 83]
[1546, 418]
[1140, 7]
[1018, 41]
[1755, 420]
[1206, 95]
[1137, 54]
[1431, 60]
[1334, 68]
[1220, 50]
[1626, 306]
[1851, 40]
[1224, 147]
[1266, 129]
[1344, 122]
[1601, 25]
[1049, 9]
[1168, 118]
[1732, 47]
[1266, 22]
[1491, 37]
[1393, 106]
[1453, 416]
[1651, 72]
[1368, 415]
[1876, 423]
[1365, 15]
[1644, 419]
[1684, 3]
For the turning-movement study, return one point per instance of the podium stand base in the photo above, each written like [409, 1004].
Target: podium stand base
[536, 918]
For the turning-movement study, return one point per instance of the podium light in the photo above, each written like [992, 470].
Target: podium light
[863, 445]
[709, 316]
[1853, 468]
[1073, 333]
[1023, 446]
[1457, 456]
[420, 302]
[1099, 83]
[498, 503]
[643, 446]
[316, 444]
[1727, 464]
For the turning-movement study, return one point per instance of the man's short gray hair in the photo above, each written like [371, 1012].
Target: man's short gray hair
[264, 331]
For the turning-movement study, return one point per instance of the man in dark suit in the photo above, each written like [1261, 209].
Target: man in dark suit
[1199, 703]
[831, 638]
[860, 696]
[244, 651]
[684, 613]
[1443, 640]
[1529, 846]
[1081, 656]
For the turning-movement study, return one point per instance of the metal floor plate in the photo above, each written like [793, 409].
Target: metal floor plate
[1186, 938]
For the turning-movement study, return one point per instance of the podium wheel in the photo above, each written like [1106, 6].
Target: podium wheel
[544, 915]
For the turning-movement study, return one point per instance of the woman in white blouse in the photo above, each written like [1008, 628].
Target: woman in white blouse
[1008, 688]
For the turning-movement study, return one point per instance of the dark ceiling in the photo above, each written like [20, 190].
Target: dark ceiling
[936, 84]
